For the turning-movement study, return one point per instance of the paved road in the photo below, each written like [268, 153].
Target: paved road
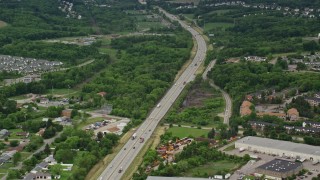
[125, 157]
[227, 112]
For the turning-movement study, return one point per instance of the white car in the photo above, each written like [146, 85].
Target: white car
[158, 105]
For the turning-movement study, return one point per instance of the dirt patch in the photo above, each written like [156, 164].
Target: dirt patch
[196, 96]
[3, 24]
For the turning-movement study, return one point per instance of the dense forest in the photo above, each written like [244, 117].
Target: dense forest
[145, 69]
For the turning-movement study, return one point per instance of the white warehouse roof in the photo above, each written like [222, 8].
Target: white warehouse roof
[281, 145]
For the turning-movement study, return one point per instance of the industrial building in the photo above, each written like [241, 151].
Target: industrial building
[279, 148]
[278, 169]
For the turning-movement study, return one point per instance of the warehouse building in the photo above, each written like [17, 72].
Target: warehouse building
[278, 169]
[279, 148]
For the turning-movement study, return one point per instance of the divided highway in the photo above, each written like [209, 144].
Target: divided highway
[131, 149]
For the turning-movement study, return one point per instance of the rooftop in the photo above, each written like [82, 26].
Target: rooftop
[281, 145]
[280, 165]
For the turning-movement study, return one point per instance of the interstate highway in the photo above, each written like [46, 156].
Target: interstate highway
[125, 157]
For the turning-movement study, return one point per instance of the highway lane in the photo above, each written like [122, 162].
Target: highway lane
[131, 149]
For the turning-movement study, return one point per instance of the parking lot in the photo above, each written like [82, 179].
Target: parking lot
[249, 168]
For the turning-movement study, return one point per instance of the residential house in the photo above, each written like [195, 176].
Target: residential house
[311, 124]
[37, 176]
[317, 95]
[4, 133]
[313, 101]
[23, 134]
[245, 108]
[43, 166]
[5, 157]
[260, 124]
[41, 132]
[293, 114]
[66, 113]
[279, 115]
[102, 94]
[50, 160]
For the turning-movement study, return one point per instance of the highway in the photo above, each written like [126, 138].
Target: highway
[131, 149]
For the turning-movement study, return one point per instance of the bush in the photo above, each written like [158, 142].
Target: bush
[14, 143]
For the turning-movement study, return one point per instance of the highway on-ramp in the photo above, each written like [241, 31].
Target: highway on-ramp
[131, 149]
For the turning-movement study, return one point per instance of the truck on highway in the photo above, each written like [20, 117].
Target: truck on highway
[134, 136]
[120, 170]
[141, 140]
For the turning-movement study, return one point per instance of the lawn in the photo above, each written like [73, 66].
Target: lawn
[13, 133]
[213, 168]
[190, 16]
[84, 123]
[5, 167]
[61, 91]
[211, 26]
[25, 155]
[18, 97]
[182, 132]
[230, 148]
[148, 25]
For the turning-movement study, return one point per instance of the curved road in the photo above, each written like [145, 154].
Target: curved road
[131, 149]
[227, 112]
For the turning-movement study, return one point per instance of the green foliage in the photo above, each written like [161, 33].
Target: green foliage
[35, 143]
[147, 65]
[16, 158]
[14, 143]
[78, 147]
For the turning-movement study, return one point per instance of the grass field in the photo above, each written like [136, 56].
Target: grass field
[3, 24]
[190, 16]
[196, 2]
[84, 123]
[210, 26]
[61, 91]
[148, 25]
[213, 168]
[182, 132]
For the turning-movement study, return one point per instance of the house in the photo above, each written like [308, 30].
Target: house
[102, 94]
[293, 114]
[50, 160]
[40, 167]
[66, 113]
[44, 101]
[249, 97]
[279, 115]
[317, 94]
[313, 101]
[260, 124]
[311, 124]
[41, 132]
[37, 176]
[23, 134]
[4, 133]
[5, 157]
[245, 108]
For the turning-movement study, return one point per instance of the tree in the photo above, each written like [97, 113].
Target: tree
[16, 158]
[56, 169]
[47, 150]
[100, 135]
[14, 143]
[211, 133]
[246, 157]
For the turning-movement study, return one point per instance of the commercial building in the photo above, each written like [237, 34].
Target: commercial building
[279, 148]
[278, 169]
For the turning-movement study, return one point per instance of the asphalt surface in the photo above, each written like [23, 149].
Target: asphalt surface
[227, 111]
[131, 149]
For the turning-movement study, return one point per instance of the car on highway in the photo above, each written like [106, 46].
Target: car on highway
[159, 105]
[134, 147]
